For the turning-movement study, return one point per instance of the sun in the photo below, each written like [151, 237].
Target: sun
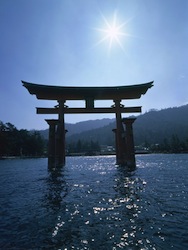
[113, 32]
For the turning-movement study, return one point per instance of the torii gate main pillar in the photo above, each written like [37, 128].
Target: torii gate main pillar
[56, 147]
[61, 135]
[120, 142]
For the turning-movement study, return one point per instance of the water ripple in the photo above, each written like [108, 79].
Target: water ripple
[93, 204]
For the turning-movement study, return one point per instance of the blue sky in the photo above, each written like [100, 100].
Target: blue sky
[57, 43]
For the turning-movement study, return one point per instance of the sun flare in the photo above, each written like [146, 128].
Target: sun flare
[112, 32]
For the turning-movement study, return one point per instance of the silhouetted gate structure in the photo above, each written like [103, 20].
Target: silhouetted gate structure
[125, 154]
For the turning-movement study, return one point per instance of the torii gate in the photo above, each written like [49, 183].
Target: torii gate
[125, 154]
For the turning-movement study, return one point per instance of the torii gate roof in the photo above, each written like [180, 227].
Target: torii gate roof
[50, 92]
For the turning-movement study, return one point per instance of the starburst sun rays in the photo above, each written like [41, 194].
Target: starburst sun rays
[113, 32]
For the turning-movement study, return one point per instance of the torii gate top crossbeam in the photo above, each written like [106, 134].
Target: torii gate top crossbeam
[49, 92]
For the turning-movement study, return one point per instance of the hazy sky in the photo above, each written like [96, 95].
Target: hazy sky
[59, 42]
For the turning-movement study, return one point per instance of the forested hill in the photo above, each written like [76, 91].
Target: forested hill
[152, 127]
[155, 126]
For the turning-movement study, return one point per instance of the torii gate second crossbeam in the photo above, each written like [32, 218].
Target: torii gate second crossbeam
[125, 154]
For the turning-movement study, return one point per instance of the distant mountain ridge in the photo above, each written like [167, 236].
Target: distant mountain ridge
[80, 127]
[151, 127]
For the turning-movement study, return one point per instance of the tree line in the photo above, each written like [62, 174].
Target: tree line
[14, 142]
[83, 147]
[169, 145]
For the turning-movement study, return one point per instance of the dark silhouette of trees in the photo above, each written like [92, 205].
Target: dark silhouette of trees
[171, 145]
[14, 142]
[83, 147]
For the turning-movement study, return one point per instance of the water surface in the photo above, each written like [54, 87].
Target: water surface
[93, 204]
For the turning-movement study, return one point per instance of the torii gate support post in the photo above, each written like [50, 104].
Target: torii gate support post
[130, 151]
[52, 143]
[61, 135]
[116, 146]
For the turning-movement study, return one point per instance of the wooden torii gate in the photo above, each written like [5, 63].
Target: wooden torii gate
[125, 154]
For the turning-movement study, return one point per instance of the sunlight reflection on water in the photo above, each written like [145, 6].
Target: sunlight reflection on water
[107, 208]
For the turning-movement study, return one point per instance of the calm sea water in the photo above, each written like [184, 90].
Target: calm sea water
[93, 204]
